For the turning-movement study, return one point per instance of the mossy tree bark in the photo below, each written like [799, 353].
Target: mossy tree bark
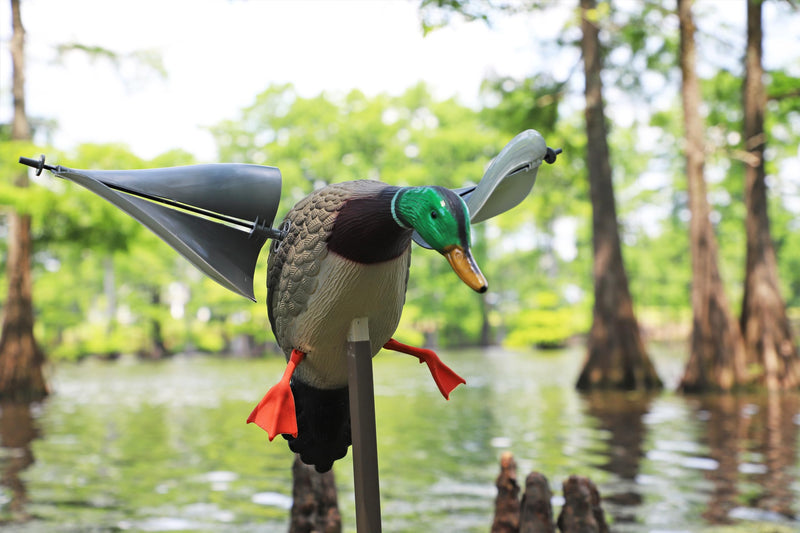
[21, 358]
[616, 356]
[767, 333]
[717, 356]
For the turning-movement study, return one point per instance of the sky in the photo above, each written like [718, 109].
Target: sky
[219, 54]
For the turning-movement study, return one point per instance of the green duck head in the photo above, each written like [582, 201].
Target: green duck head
[441, 217]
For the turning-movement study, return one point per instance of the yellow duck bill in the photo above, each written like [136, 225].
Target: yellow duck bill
[464, 265]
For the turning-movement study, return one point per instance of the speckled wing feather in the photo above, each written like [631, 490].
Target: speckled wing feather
[294, 262]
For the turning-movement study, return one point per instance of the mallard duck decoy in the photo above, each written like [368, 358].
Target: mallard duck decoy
[343, 252]
[346, 254]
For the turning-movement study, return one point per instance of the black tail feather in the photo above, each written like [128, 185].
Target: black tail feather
[323, 425]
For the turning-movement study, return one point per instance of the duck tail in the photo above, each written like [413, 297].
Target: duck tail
[323, 425]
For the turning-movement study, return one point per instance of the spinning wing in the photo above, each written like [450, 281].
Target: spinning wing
[216, 216]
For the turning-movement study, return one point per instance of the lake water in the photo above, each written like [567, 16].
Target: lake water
[163, 446]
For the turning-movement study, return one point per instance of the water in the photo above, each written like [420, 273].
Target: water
[130, 446]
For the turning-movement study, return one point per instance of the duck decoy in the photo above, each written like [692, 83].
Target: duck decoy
[346, 255]
[342, 252]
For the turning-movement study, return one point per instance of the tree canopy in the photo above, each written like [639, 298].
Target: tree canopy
[105, 285]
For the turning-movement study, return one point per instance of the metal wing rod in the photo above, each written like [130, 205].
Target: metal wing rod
[252, 227]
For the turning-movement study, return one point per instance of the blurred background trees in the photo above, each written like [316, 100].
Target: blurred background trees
[21, 358]
[764, 323]
[103, 285]
[716, 356]
[616, 356]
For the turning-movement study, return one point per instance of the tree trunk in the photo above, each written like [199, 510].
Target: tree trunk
[506, 504]
[716, 360]
[158, 349]
[764, 324]
[536, 509]
[21, 359]
[110, 291]
[486, 325]
[616, 355]
[582, 511]
[315, 506]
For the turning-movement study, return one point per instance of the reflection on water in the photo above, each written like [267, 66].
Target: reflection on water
[730, 457]
[755, 441]
[722, 431]
[163, 446]
[17, 431]
[621, 416]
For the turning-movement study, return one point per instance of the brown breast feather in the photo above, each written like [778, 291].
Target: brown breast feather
[294, 262]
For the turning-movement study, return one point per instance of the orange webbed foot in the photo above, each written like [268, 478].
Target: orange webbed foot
[275, 412]
[446, 379]
[444, 376]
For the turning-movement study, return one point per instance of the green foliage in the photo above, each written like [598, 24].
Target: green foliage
[95, 268]
[640, 49]
[437, 14]
[72, 215]
[104, 284]
[532, 101]
[144, 62]
[546, 322]
[409, 139]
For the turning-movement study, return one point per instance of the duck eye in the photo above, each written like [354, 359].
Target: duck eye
[433, 214]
